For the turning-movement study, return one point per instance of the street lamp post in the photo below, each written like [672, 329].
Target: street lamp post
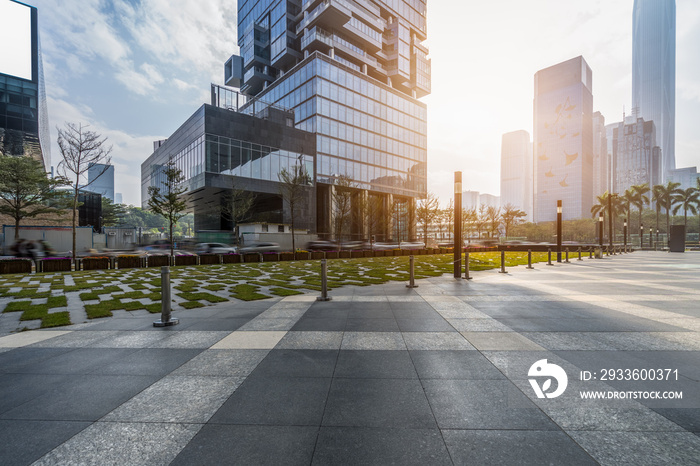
[457, 243]
[600, 230]
[650, 238]
[657, 237]
[624, 233]
[559, 209]
[641, 236]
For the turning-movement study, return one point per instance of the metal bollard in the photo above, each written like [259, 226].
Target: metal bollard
[579, 254]
[567, 256]
[324, 282]
[411, 282]
[466, 266]
[165, 319]
[529, 259]
[549, 259]
[503, 262]
[590, 253]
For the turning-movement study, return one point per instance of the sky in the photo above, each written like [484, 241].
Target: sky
[135, 70]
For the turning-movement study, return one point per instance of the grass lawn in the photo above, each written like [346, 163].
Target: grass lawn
[104, 291]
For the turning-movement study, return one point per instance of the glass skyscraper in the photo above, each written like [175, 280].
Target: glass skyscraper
[352, 72]
[563, 124]
[516, 171]
[654, 72]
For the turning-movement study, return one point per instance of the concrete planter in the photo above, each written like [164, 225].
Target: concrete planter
[286, 256]
[357, 254]
[94, 263]
[130, 262]
[331, 254]
[231, 258]
[251, 257]
[344, 255]
[379, 253]
[318, 255]
[185, 260]
[16, 266]
[209, 259]
[158, 261]
[63, 264]
[270, 257]
[301, 256]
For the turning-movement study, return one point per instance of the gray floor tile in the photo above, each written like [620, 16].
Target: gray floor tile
[398, 403]
[499, 447]
[483, 404]
[372, 446]
[374, 365]
[424, 325]
[149, 361]
[18, 389]
[371, 325]
[373, 341]
[332, 324]
[297, 363]
[469, 365]
[249, 445]
[23, 442]
[222, 363]
[311, 340]
[436, 341]
[276, 401]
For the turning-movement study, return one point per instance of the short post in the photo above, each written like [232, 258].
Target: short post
[579, 253]
[324, 282]
[466, 266]
[165, 319]
[567, 256]
[559, 218]
[503, 262]
[590, 252]
[411, 281]
[549, 256]
[529, 259]
[624, 234]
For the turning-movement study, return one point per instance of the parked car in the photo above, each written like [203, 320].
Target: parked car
[260, 247]
[323, 245]
[216, 248]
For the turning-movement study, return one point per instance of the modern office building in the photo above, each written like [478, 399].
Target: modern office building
[118, 199]
[352, 71]
[24, 123]
[470, 200]
[516, 171]
[489, 200]
[222, 147]
[101, 180]
[687, 177]
[635, 156]
[563, 140]
[601, 158]
[654, 71]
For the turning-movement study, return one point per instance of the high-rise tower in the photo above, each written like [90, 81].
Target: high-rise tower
[516, 171]
[563, 124]
[654, 72]
[352, 71]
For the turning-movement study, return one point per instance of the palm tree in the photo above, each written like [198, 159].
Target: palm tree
[640, 198]
[686, 199]
[612, 204]
[628, 199]
[667, 198]
[657, 198]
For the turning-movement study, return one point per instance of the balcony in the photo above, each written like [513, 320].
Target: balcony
[254, 80]
[331, 13]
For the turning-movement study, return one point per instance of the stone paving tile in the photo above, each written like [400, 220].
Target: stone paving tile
[77, 339]
[370, 364]
[598, 417]
[26, 441]
[29, 338]
[478, 325]
[373, 341]
[488, 447]
[311, 340]
[454, 364]
[262, 323]
[144, 339]
[297, 363]
[500, 341]
[190, 339]
[181, 399]
[250, 340]
[114, 443]
[222, 362]
[640, 448]
[436, 341]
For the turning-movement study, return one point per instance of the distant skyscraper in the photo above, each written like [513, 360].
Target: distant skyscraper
[470, 200]
[104, 183]
[118, 198]
[601, 158]
[489, 200]
[654, 72]
[636, 157]
[516, 171]
[563, 124]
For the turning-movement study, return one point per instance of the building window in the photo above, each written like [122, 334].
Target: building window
[280, 228]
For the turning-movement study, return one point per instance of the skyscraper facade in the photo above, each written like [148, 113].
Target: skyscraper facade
[563, 140]
[352, 71]
[601, 157]
[636, 157]
[24, 121]
[101, 180]
[654, 72]
[516, 171]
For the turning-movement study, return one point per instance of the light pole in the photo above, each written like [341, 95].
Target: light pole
[600, 230]
[657, 237]
[641, 236]
[624, 233]
[650, 238]
[558, 231]
[457, 250]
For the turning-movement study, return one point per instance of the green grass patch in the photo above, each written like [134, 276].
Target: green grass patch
[17, 306]
[215, 287]
[30, 293]
[284, 292]
[247, 292]
[191, 304]
[202, 297]
[56, 319]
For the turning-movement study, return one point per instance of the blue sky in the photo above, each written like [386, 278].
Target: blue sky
[137, 69]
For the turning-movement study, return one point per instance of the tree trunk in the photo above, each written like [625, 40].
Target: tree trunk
[172, 243]
[291, 208]
[16, 229]
[75, 211]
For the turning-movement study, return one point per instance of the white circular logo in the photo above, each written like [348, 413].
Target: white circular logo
[547, 371]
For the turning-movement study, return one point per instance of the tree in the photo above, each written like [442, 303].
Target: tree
[611, 204]
[468, 219]
[667, 197]
[427, 212]
[687, 200]
[236, 206]
[493, 220]
[25, 189]
[112, 214]
[168, 201]
[640, 199]
[342, 205]
[294, 188]
[511, 216]
[448, 216]
[481, 220]
[80, 150]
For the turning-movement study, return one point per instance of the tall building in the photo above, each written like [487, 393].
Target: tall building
[563, 140]
[516, 171]
[24, 122]
[101, 180]
[687, 177]
[636, 157]
[654, 71]
[352, 71]
[601, 158]
[489, 200]
[470, 200]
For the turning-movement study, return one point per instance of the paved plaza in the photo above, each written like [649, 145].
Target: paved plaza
[445, 373]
